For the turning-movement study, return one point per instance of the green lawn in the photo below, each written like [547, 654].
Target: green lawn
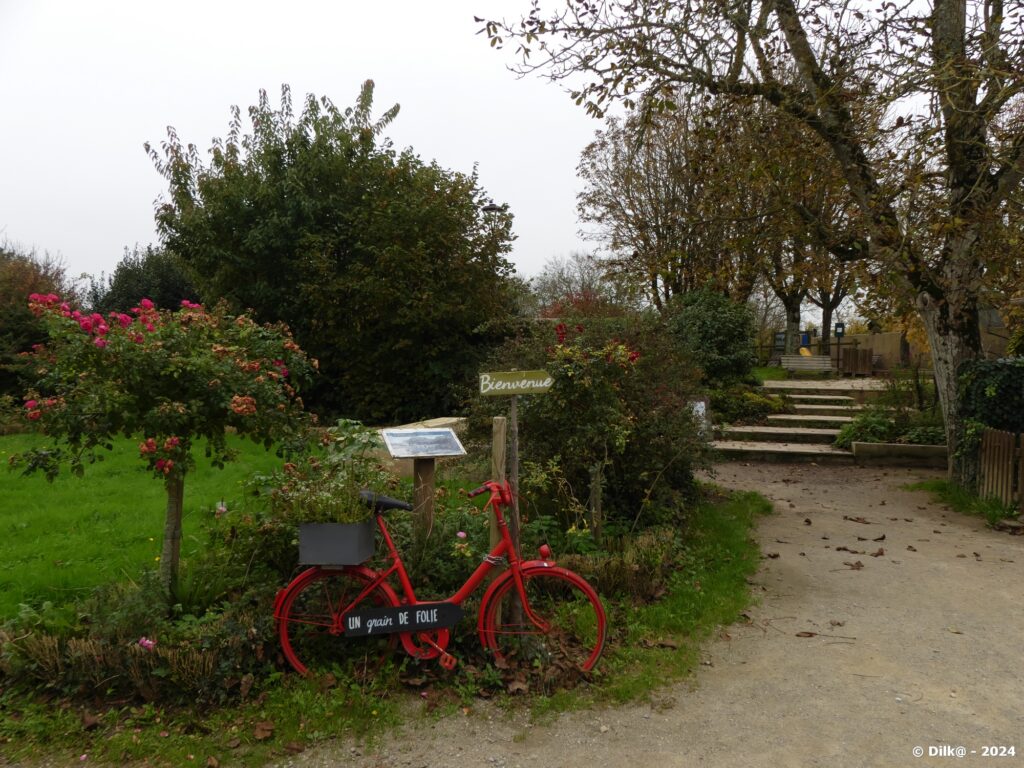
[770, 373]
[58, 540]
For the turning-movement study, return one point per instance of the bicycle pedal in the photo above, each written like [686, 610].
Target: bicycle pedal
[448, 661]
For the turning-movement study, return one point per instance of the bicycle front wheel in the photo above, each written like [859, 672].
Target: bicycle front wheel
[561, 623]
[311, 623]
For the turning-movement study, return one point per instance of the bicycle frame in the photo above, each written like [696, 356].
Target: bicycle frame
[501, 496]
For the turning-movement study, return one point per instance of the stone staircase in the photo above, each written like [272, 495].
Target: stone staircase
[822, 407]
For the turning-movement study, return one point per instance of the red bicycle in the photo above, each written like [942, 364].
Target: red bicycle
[534, 611]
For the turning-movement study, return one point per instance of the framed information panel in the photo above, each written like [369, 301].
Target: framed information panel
[422, 443]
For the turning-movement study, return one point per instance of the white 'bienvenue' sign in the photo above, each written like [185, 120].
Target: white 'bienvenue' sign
[515, 383]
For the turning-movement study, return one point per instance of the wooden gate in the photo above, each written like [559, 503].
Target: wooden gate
[1002, 467]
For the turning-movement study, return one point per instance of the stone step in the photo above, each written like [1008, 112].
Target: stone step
[827, 410]
[808, 421]
[781, 452]
[859, 389]
[757, 433]
[822, 399]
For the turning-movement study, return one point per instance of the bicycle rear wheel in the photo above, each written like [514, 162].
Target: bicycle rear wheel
[311, 623]
[570, 627]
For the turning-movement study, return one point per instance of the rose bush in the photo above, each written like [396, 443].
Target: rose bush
[175, 377]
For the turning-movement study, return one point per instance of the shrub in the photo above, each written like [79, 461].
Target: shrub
[741, 403]
[871, 426]
[923, 435]
[992, 392]
[615, 436]
[718, 335]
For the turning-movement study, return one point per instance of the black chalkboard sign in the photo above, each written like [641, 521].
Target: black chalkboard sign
[404, 618]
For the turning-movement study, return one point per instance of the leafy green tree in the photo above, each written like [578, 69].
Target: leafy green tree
[151, 272]
[22, 273]
[385, 266]
[171, 377]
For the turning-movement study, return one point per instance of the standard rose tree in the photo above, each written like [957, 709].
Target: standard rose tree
[170, 377]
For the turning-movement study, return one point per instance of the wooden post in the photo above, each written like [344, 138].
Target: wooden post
[499, 429]
[423, 496]
[513, 471]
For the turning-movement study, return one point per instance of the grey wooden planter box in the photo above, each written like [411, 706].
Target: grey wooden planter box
[336, 543]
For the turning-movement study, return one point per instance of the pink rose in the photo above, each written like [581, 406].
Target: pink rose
[100, 342]
[146, 304]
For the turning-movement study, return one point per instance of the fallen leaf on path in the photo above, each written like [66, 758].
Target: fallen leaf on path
[234, 744]
[911, 548]
[861, 538]
[908, 519]
[212, 762]
[851, 551]
[806, 634]
[836, 623]
[263, 730]
[857, 519]
[294, 747]
[880, 538]
[879, 553]
[855, 566]
[772, 555]
[518, 686]
[954, 630]
[807, 521]
[961, 555]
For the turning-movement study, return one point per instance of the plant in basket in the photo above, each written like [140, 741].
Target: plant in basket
[321, 495]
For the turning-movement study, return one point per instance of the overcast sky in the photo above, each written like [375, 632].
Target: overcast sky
[84, 84]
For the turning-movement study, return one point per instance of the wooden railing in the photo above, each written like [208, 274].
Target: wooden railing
[1002, 467]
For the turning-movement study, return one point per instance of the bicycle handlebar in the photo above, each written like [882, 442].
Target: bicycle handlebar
[501, 492]
[478, 491]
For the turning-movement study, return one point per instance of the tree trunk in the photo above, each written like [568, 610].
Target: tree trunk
[171, 553]
[826, 329]
[792, 305]
[952, 327]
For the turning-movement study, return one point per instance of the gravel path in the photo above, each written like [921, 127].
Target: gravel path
[860, 649]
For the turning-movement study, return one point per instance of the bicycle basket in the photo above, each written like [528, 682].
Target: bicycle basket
[336, 543]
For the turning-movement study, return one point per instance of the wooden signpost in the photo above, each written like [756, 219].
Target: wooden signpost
[510, 384]
[424, 447]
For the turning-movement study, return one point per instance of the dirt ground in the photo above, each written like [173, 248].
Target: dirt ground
[884, 624]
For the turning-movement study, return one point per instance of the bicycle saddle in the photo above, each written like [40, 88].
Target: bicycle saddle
[381, 503]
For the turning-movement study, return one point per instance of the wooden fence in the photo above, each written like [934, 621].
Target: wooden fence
[1002, 467]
